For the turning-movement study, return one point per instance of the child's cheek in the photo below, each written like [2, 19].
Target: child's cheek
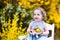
[34, 17]
[39, 17]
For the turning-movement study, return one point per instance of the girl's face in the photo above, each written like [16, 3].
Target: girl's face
[38, 15]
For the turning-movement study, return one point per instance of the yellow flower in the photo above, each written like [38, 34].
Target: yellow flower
[16, 15]
[6, 2]
[21, 23]
[38, 0]
[23, 15]
[19, 3]
[0, 34]
[47, 3]
[41, 2]
[20, 28]
[32, 0]
[57, 25]
[36, 4]
[3, 30]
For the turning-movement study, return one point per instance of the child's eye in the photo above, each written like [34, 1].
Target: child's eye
[38, 14]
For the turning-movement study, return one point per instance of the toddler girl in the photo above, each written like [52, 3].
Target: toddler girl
[37, 28]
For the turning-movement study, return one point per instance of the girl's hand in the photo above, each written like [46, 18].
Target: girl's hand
[34, 33]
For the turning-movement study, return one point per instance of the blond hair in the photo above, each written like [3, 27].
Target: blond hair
[43, 12]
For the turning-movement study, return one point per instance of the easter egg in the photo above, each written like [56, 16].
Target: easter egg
[38, 30]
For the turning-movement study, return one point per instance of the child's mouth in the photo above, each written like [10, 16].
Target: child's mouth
[36, 18]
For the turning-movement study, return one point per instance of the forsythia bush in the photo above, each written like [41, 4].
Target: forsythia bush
[16, 16]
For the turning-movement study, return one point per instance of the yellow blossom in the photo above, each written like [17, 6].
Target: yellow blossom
[23, 15]
[47, 3]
